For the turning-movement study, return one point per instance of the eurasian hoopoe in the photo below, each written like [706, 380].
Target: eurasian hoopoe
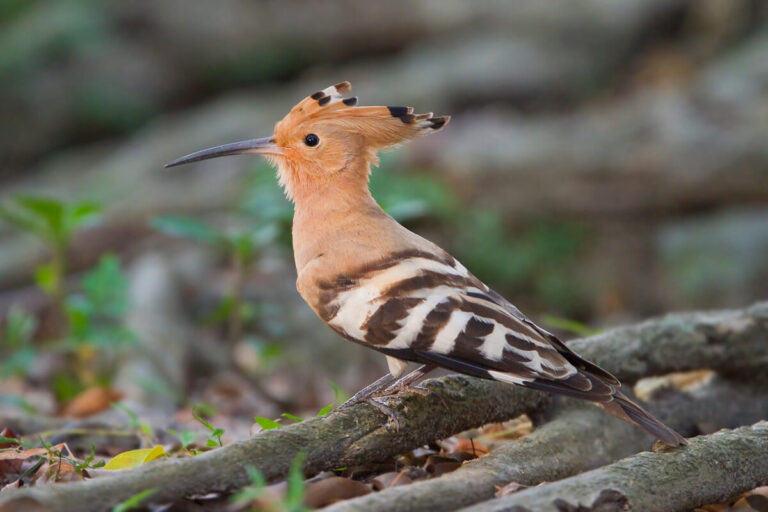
[377, 284]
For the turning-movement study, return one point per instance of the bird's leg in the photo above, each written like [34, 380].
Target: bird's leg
[368, 391]
[385, 387]
[396, 387]
[405, 381]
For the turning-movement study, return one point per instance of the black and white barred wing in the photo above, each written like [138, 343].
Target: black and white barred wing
[430, 309]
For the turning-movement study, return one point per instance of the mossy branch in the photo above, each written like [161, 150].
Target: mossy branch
[733, 342]
[708, 470]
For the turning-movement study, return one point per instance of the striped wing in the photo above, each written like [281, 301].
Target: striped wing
[422, 307]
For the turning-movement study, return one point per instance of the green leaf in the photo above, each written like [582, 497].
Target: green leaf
[266, 423]
[325, 410]
[186, 227]
[203, 422]
[80, 214]
[253, 491]
[127, 410]
[242, 245]
[106, 287]
[204, 409]
[134, 501]
[20, 327]
[292, 417]
[22, 221]
[294, 493]
[47, 278]
[9, 440]
[187, 437]
[66, 387]
[50, 211]
[51, 220]
[17, 362]
[339, 395]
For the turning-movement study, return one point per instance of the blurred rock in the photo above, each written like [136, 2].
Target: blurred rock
[76, 72]
[716, 260]
[154, 373]
[626, 118]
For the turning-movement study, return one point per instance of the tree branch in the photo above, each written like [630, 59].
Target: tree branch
[354, 436]
[579, 437]
[730, 341]
[710, 469]
[733, 342]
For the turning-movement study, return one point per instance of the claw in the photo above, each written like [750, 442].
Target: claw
[385, 410]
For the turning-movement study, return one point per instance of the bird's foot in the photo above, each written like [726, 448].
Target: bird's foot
[366, 393]
[385, 387]
[386, 410]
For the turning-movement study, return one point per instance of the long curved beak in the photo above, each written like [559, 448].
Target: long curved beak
[262, 146]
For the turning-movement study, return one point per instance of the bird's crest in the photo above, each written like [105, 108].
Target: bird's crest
[381, 126]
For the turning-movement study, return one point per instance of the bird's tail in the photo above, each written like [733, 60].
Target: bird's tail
[622, 407]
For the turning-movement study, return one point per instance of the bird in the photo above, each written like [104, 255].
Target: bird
[379, 285]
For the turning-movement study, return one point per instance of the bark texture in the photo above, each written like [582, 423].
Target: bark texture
[710, 469]
[355, 436]
[580, 437]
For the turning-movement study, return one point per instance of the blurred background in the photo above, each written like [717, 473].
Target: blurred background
[606, 161]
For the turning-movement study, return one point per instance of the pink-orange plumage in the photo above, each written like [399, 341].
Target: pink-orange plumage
[378, 284]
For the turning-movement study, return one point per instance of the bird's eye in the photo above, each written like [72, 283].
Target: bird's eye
[311, 140]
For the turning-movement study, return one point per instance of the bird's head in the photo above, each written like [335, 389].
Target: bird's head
[326, 138]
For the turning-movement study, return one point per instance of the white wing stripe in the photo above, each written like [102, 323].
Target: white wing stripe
[357, 304]
[446, 338]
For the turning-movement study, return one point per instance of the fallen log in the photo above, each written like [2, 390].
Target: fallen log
[710, 469]
[732, 342]
[579, 437]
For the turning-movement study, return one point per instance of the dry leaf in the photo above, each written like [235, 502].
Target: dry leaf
[58, 471]
[25, 454]
[464, 445]
[7, 432]
[684, 381]
[512, 429]
[91, 401]
[330, 490]
[390, 479]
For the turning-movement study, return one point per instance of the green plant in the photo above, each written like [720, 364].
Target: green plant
[294, 492]
[88, 462]
[144, 430]
[339, 397]
[16, 350]
[95, 315]
[292, 501]
[186, 437]
[214, 436]
[241, 247]
[266, 423]
[134, 501]
[54, 223]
